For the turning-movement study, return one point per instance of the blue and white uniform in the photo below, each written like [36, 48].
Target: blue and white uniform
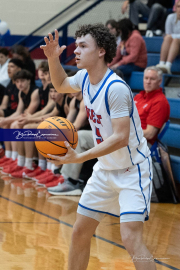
[121, 181]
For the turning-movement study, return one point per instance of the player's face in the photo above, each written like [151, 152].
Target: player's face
[41, 75]
[12, 69]
[3, 58]
[47, 76]
[112, 30]
[22, 84]
[178, 9]
[54, 95]
[151, 81]
[87, 52]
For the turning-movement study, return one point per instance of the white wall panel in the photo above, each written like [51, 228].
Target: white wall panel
[23, 16]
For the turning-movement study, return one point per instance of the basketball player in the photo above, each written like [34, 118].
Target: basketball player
[27, 105]
[44, 104]
[121, 181]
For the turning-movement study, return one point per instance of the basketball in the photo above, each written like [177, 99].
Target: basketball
[66, 132]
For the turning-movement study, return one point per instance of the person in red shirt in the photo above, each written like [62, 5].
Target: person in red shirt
[152, 105]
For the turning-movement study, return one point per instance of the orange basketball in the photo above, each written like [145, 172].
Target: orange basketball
[66, 132]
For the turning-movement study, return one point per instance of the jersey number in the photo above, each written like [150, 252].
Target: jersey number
[98, 134]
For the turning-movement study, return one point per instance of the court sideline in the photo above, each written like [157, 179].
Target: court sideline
[35, 232]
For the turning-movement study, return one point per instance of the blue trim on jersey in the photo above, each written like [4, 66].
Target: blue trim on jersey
[90, 98]
[149, 194]
[140, 152]
[138, 213]
[130, 154]
[84, 82]
[135, 130]
[126, 213]
[97, 210]
[105, 80]
[139, 170]
[149, 170]
[106, 96]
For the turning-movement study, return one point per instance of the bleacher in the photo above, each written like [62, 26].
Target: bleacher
[172, 136]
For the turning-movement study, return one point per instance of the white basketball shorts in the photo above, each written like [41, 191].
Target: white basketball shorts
[125, 193]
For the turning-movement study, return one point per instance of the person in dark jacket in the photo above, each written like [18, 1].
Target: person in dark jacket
[156, 11]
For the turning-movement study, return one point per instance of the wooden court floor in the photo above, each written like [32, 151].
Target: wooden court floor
[35, 232]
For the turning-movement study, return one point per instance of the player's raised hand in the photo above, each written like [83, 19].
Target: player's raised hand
[52, 48]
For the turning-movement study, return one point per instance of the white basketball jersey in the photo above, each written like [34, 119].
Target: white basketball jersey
[99, 117]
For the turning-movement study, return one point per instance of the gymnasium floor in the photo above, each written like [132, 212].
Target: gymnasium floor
[35, 231]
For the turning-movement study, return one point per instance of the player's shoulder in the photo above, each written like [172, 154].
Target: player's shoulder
[81, 72]
[79, 76]
[118, 83]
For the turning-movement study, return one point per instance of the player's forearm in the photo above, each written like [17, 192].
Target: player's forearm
[148, 135]
[150, 132]
[9, 120]
[58, 75]
[34, 120]
[3, 107]
[113, 143]
[37, 114]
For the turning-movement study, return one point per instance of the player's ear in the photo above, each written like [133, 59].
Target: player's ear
[102, 52]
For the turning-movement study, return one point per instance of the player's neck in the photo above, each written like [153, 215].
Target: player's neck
[45, 84]
[96, 74]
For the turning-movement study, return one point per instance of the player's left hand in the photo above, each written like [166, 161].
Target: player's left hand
[71, 157]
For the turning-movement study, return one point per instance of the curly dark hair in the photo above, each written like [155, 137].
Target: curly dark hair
[102, 37]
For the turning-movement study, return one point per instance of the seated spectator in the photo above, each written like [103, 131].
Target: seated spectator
[25, 150]
[27, 104]
[4, 60]
[152, 105]
[113, 29]
[131, 53]
[155, 10]
[10, 99]
[44, 104]
[171, 45]
[2, 92]
[20, 52]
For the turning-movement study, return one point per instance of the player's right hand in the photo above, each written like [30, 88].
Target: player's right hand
[52, 48]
